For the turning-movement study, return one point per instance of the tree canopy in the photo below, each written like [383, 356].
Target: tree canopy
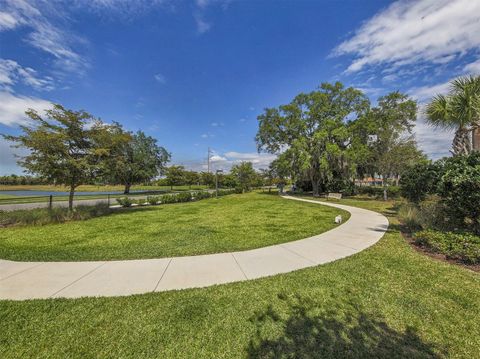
[64, 146]
[313, 131]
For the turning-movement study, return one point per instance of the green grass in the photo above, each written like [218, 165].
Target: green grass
[386, 302]
[234, 222]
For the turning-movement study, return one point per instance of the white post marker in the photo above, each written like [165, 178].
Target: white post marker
[338, 219]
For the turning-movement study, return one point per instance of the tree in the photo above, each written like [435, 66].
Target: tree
[175, 176]
[207, 179]
[393, 145]
[244, 174]
[62, 146]
[314, 130]
[459, 110]
[419, 180]
[133, 158]
[279, 171]
[191, 178]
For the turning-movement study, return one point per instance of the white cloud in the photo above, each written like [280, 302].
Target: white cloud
[425, 93]
[7, 21]
[226, 160]
[259, 160]
[43, 34]
[160, 78]
[8, 158]
[11, 73]
[13, 107]
[433, 141]
[409, 32]
[473, 67]
[202, 25]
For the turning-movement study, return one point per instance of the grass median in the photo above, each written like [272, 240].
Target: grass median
[230, 223]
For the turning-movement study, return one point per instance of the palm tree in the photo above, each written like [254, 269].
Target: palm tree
[459, 110]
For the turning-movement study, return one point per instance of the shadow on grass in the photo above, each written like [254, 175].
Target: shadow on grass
[299, 331]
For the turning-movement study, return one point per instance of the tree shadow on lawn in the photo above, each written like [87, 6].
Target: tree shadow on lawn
[350, 333]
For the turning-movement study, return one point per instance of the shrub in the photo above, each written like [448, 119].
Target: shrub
[409, 216]
[460, 246]
[419, 180]
[141, 201]
[42, 216]
[125, 202]
[153, 200]
[459, 188]
[168, 198]
[184, 197]
[428, 215]
[377, 192]
[201, 195]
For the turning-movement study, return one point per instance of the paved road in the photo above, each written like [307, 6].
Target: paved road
[27, 280]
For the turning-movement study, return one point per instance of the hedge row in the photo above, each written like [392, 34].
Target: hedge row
[392, 191]
[174, 197]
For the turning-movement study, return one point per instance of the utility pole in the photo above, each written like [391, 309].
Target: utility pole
[209, 153]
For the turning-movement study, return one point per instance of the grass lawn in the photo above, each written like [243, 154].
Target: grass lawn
[234, 222]
[385, 302]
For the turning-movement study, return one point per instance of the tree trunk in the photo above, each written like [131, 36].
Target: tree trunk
[461, 142]
[315, 188]
[127, 188]
[476, 138]
[384, 183]
[70, 197]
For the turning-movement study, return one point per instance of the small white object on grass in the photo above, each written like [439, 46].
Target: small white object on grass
[338, 219]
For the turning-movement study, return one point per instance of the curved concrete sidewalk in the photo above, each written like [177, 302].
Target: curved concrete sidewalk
[29, 280]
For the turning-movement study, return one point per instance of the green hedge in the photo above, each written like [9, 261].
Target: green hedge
[374, 191]
[181, 197]
[460, 246]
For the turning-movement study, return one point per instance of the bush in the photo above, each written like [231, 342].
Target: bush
[42, 216]
[459, 188]
[183, 197]
[460, 246]
[153, 200]
[409, 216]
[428, 215]
[377, 192]
[125, 202]
[201, 195]
[141, 201]
[168, 198]
[419, 180]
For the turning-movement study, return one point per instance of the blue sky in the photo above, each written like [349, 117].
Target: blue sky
[196, 74]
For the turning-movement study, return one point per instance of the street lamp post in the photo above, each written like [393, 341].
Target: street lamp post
[216, 182]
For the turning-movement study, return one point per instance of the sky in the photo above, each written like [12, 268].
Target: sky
[196, 73]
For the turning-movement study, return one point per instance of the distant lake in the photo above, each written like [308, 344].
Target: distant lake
[27, 193]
